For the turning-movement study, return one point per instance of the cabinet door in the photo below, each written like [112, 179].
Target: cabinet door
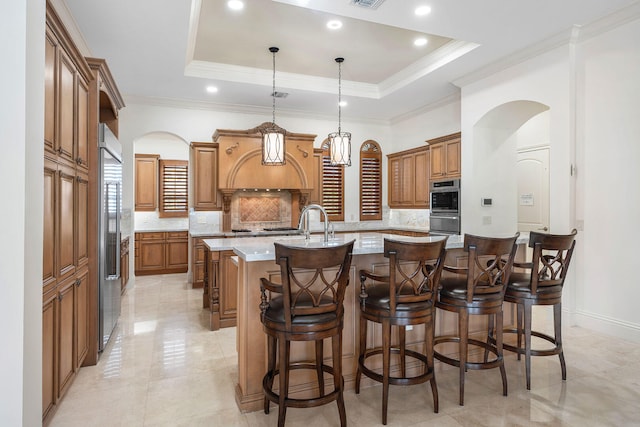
[177, 254]
[81, 220]
[49, 272]
[205, 177]
[408, 180]
[50, 74]
[316, 177]
[197, 262]
[81, 311]
[66, 338]
[151, 255]
[438, 165]
[65, 221]
[49, 351]
[146, 182]
[66, 107]
[82, 133]
[421, 183]
[453, 158]
[395, 182]
[228, 286]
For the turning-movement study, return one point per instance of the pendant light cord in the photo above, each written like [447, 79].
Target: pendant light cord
[273, 92]
[339, 95]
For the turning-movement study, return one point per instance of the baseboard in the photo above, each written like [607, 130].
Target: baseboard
[607, 325]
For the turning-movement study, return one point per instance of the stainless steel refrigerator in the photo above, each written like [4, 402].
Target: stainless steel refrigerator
[109, 233]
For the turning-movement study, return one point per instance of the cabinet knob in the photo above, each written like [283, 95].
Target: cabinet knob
[78, 282]
[79, 160]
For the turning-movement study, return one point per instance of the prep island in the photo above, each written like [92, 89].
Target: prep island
[255, 259]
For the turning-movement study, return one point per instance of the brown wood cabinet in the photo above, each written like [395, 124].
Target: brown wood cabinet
[161, 252]
[204, 170]
[124, 264]
[146, 182]
[408, 178]
[197, 264]
[445, 156]
[66, 302]
[221, 288]
[316, 177]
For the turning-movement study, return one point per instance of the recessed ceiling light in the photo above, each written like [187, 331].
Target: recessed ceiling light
[334, 24]
[212, 89]
[343, 103]
[422, 10]
[420, 41]
[235, 4]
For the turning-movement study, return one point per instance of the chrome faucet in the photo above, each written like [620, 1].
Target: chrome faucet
[303, 224]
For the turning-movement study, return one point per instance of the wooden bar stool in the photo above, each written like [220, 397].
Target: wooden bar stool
[477, 289]
[542, 285]
[405, 296]
[309, 307]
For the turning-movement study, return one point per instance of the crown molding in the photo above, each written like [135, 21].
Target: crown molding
[71, 26]
[426, 65]
[575, 34]
[240, 109]
[455, 97]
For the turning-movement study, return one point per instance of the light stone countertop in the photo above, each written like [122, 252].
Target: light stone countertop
[262, 249]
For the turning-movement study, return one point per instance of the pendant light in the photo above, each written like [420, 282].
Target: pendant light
[340, 142]
[273, 153]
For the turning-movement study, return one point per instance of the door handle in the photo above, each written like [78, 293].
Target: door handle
[544, 229]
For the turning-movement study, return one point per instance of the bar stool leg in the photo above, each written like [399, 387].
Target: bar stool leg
[386, 358]
[283, 347]
[557, 327]
[362, 350]
[338, 382]
[519, 329]
[319, 360]
[428, 334]
[500, 350]
[463, 327]
[402, 339]
[271, 367]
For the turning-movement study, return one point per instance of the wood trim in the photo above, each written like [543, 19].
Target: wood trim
[444, 138]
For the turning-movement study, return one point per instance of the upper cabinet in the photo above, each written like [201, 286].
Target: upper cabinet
[146, 186]
[445, 156]
[204, 176]
[409, 178]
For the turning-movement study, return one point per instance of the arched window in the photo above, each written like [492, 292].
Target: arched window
[332, 186]
[370, 181]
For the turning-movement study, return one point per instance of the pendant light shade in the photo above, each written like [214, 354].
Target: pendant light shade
[273, 136]
[340, 142]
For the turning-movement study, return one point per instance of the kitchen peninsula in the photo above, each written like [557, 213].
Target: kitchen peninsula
[255, 259]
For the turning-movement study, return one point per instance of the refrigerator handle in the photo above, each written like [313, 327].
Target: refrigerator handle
[118, 237]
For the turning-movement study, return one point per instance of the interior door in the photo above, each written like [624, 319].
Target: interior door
[533, 189]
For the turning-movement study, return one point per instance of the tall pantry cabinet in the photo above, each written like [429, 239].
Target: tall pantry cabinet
[69, 282]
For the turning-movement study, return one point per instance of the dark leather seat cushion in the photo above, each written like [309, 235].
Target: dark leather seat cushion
[456, 287]
[378, 298]
[275, 313]
[519, 282]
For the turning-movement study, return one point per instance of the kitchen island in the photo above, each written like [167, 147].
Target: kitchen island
[255, 259]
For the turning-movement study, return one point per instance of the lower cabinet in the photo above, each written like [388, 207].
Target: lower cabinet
[161, 252]
[197, 264]
[65, 337]
[221, 288]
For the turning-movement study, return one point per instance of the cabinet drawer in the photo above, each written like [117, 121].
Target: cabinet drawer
[177, 235]
[150, 236]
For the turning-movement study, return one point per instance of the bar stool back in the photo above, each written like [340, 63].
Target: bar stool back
[541, 285]
[477, 289]
[308, 307]
[403, 297]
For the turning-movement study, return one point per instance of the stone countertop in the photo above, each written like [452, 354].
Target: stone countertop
[161, 230]
[261, 248]
[262, 233]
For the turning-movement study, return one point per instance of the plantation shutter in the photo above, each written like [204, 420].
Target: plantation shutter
[370, 182]
[332, 188]
[174, 194]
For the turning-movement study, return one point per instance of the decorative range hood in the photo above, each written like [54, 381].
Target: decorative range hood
[240, 166]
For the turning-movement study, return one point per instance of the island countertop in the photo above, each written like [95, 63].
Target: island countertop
[261, 248]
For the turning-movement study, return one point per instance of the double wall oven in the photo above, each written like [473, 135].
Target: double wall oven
[445, 207]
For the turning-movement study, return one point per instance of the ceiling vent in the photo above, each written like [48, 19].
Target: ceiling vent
[369, 4]
[277, 94]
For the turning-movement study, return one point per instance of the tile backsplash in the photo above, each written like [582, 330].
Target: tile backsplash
[255, 210]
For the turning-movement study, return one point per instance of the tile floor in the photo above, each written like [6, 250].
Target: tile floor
[163, 367]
